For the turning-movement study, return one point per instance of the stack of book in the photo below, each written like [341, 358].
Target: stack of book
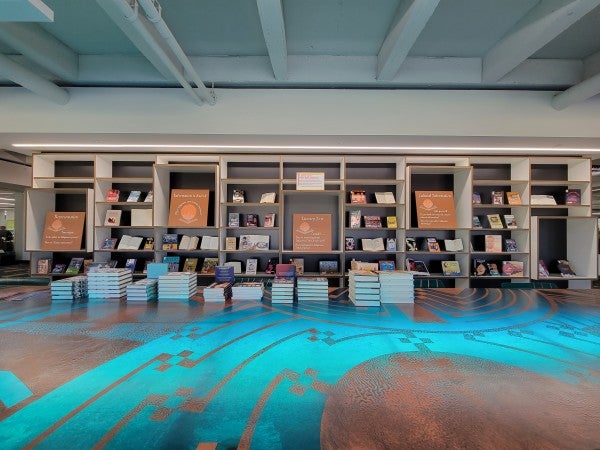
[282, 290]
[142, 290]
[364, 288]
[396, 287]
[108, 283]
[177, 285]
[73, 288]
[248, 290]
[313, 289]
[218, 292]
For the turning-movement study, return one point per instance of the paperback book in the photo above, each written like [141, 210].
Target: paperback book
[251, 266]
[269, 220]
[476, 222]
[476, 198]
[230, 243]
[385, 197]
[109, 244]
[391, 222]
[134, 196]
[497, 197]
[510, 245]
[239, 196]
[350, 243]
[112, 218]
[512, 268]
[411, 244]
[573, 197]
[74, 266]
[390, 245]
[451, 268]
[130, 264]
[510, 221]
[372, 221]
[328, 267]
[543, 271]
[513, 198]
[433, 245]
[112, 195]
[355, 218]
[234, 220]
[267, 197]
[387, 265]
[495, 221]
[359, 197]
[170, 241]
[251, 220]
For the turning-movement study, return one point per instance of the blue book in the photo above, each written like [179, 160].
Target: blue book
[155, 270]
[224, 274]
[173, 263]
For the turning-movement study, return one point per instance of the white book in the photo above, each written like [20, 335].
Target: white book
[453, 245]
[209, 243]
[141, 217]
[113, 218]
[372, 245]
[185, 242]
[385, 197]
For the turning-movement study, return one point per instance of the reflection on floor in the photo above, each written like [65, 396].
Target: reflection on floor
[460, 368]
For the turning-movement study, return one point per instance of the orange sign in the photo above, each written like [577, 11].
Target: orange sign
[188, 208]
[312, 232]
[435, 209]
[63, 231]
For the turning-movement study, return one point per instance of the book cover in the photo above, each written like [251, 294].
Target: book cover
[350, 243]
[185, 242]
[269, 220]
[149, 197]
[390, 244]
[230, 243]
[513, 198]
[251, 242]
[543, 271]
[74, 266]
[420, 267]
[208, 265]
[234, 220]
[493, 243]
[480, 267]
[224, 274]
[387, 265]
[359, 197]
[372, 245]
[141, 217]
[433, 245]
[385, 197]
[542, 199]
[251, 266]
[299, 263]
[453, 245]
[493, 268]
[189, 265]
[476, 198]
[411, 244]
[355, 218]
[130, 264]
[134, 196]
[311, 232]
[510, 245]
[155, 269]
[510, 221]
[497, 197]
[512, 268]
[169, 241]
[172, 263]
[573, 197]
[209, 243]
[251, 220]
[494, 221]
[450, 268]
[328, 267]
[149, 243]
[113, 218]
[59, 268]
[63, 231]
[268, 197]
[188, 208]
[235, 265]
[109, 244]
[86, 264]
[435, 209]
[565, 268]
[391, 222]
[476, 222]
[239, 196]
[112, 195]
[372, 221]
[44, 265]
[271, 265]
[285, 270]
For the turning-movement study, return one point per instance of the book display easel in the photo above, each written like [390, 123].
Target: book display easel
[498, 215]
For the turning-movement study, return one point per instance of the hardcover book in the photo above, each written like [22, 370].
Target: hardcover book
[453, 245]
[372, 221]
[112, 195]
[234, 220]
[130, 264]
[239, 196]
[497, 197]
[235, 265]
[495, 221]
[385, 197]
[112, 218]
[493, 243]
[63, 231]
[251, 266]
[285, 270]
[411, 244]
[450, 268]
[543, 200]
[512, 268]
[267, 197]
[311, 232]
[510, 221]
[510, 245]
[74, 266]
[435, 209]
[269, 220]
[134, 196]
[141, 217]
[493, 268]
[476, 198]
[358, 197]
[189, 265]
[387, 265]
[350, 243]
[355, 218]
[372, 245]
[328, 267]
[149, 243]
[170, 241]
[433, 245]
[573, 197]
[188, 208]
[230, 243]
[513, 198]
[391, 222]
[172, 263]
[251, 242]
[390, 244]
[480, 267]
[209, 243]
[420, 267]
[251, 220]
[109, 244]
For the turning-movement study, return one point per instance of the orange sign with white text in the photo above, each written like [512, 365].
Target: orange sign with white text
[312, 233]
[188, 208]
[63, 231]
[435, 209]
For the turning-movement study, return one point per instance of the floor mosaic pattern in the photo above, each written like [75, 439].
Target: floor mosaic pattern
[470, 368]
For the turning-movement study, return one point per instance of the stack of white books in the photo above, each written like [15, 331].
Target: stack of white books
[217, 292]
[109, 283]
[73, 288]
[177, 285]
[282, 290]
[313, 289]
[396, 286]
[248, 290]
[142, 290]
[364, 288]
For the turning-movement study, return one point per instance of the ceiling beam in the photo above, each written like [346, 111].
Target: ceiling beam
[32, 81]
[25, 11]
[41, 47]
[412, 17]
[537, 28]
[273, 27]
[591, 65]
[578, 93]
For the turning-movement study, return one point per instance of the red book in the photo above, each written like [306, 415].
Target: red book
[112, 195]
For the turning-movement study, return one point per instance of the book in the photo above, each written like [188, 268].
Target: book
[230, 243]
[387, 265]
[134, 196]
[350, 243]
[359, 197]
[420, 267]
[59, 268]
[185, 242]
[141, 217]
[189, 265]
[268, 197]
[513, 198]
[510, 221]
[169, 241]
[172, 263]
[390, 244]
[537, 199]
[476, 222]
[233, 220]
[391, 222]
[493, 243]
[372, 221]
[497, 197]
[112, 195]
[573, 197]
[494, 221]
[543, 269]
[209, 243]
[269, 220]
[299, 263]
[109, 244]
[372, 245]
[433, 245]
[251, 266]
[149, 243]
[453, 245]
[493, 268]
[355, 218]
[149, 197]
[130, 264]
[271, 263]
[328, 267]
[411, 244]
[43, 265]
[236, 265]
[285, 270]
[480, 267]
[476, 198]
[128, 242]
[251, 220]
[510, 245]
[74, 266]
[188, 208]
[565, 268]
[512, 268]
[451, 268]
[238, 196]
[208, 265]
[385, 197]
[112, 218]
[251, 242]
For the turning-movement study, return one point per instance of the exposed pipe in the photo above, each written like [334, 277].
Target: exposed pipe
[154, 15]
[32, 81]
[131, 15]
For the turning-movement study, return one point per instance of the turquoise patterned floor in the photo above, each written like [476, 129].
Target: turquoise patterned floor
[459, 369]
